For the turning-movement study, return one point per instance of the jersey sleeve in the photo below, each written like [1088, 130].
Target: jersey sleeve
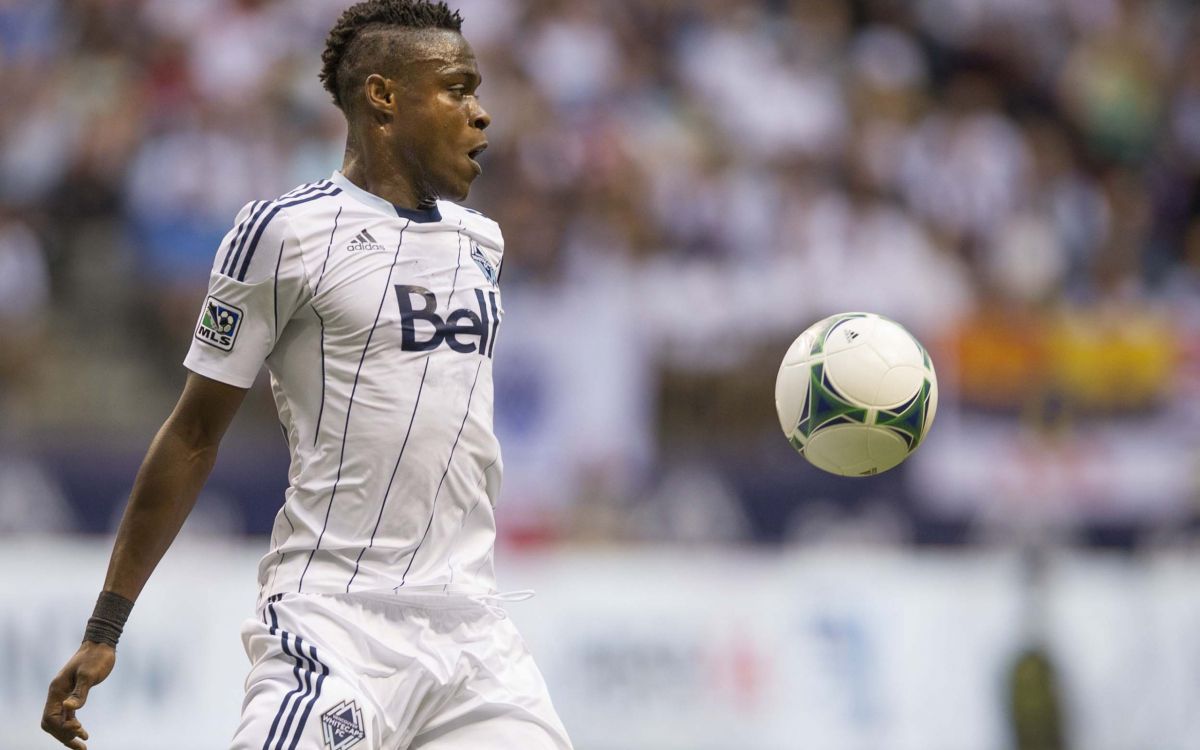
[256, 285]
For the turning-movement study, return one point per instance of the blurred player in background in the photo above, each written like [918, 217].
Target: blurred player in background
[375, 307]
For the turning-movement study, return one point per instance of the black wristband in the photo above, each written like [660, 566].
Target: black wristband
[108, 619]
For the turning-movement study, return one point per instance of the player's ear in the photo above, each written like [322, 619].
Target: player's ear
[381, 95]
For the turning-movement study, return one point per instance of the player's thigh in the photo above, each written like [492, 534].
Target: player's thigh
[298, 697]
[508, 731]
[503, 705]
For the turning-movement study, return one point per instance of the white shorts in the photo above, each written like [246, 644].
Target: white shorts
[342, 672]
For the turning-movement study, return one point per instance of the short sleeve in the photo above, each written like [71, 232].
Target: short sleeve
[256, 285]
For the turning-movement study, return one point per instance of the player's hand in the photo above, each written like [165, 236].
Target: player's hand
[69, 690]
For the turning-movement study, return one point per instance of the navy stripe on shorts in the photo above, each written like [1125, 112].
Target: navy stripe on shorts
[308, 687]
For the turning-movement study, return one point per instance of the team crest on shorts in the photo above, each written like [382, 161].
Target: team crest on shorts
[219, 324]
[485, 265]
[342, 726]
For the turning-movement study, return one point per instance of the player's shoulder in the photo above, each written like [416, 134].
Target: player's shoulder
[306, 199]
[311, 198]
[296, 210]
[269, 223]
[480, 227]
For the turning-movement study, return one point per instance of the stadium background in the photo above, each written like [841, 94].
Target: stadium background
[684, 185]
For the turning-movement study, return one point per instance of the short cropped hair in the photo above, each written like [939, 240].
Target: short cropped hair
[352, 46]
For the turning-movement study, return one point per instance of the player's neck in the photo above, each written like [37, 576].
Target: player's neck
[386, 180]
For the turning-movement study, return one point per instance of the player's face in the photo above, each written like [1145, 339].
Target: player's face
[439, 121]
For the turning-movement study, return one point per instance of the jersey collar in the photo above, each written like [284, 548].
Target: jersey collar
[419, 216]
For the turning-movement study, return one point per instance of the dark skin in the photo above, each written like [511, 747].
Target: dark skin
[412, 136]
[175, 468]
[414, 130]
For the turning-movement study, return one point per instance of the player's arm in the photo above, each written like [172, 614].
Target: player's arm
[174, 470]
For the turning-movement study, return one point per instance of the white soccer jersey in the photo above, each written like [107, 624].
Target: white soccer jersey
[377, 325]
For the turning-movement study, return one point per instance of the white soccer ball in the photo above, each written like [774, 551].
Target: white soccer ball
[856, 394]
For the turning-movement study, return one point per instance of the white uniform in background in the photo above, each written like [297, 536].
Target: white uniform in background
[377, 325]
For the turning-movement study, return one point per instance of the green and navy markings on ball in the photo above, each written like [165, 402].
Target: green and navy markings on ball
[825, 407]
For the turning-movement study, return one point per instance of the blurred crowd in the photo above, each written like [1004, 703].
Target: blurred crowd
[684, 185]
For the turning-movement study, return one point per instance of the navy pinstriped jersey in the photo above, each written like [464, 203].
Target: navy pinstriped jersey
[377, 326]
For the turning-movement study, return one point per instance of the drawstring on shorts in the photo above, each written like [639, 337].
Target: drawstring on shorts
[492, 602]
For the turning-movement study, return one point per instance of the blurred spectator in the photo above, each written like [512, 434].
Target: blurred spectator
[24, 302]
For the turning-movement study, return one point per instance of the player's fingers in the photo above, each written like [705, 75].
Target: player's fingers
[78, 694]
[55, 714]
[76, 728]
[60, 688]
[66, 732]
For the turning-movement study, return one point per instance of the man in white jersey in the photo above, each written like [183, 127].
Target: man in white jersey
[375, 307]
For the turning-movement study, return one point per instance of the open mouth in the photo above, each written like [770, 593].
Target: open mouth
[474, 153]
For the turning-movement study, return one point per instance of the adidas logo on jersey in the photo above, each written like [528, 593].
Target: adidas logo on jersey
[364, 242]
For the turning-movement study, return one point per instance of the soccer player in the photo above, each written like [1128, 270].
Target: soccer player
[375, 306]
